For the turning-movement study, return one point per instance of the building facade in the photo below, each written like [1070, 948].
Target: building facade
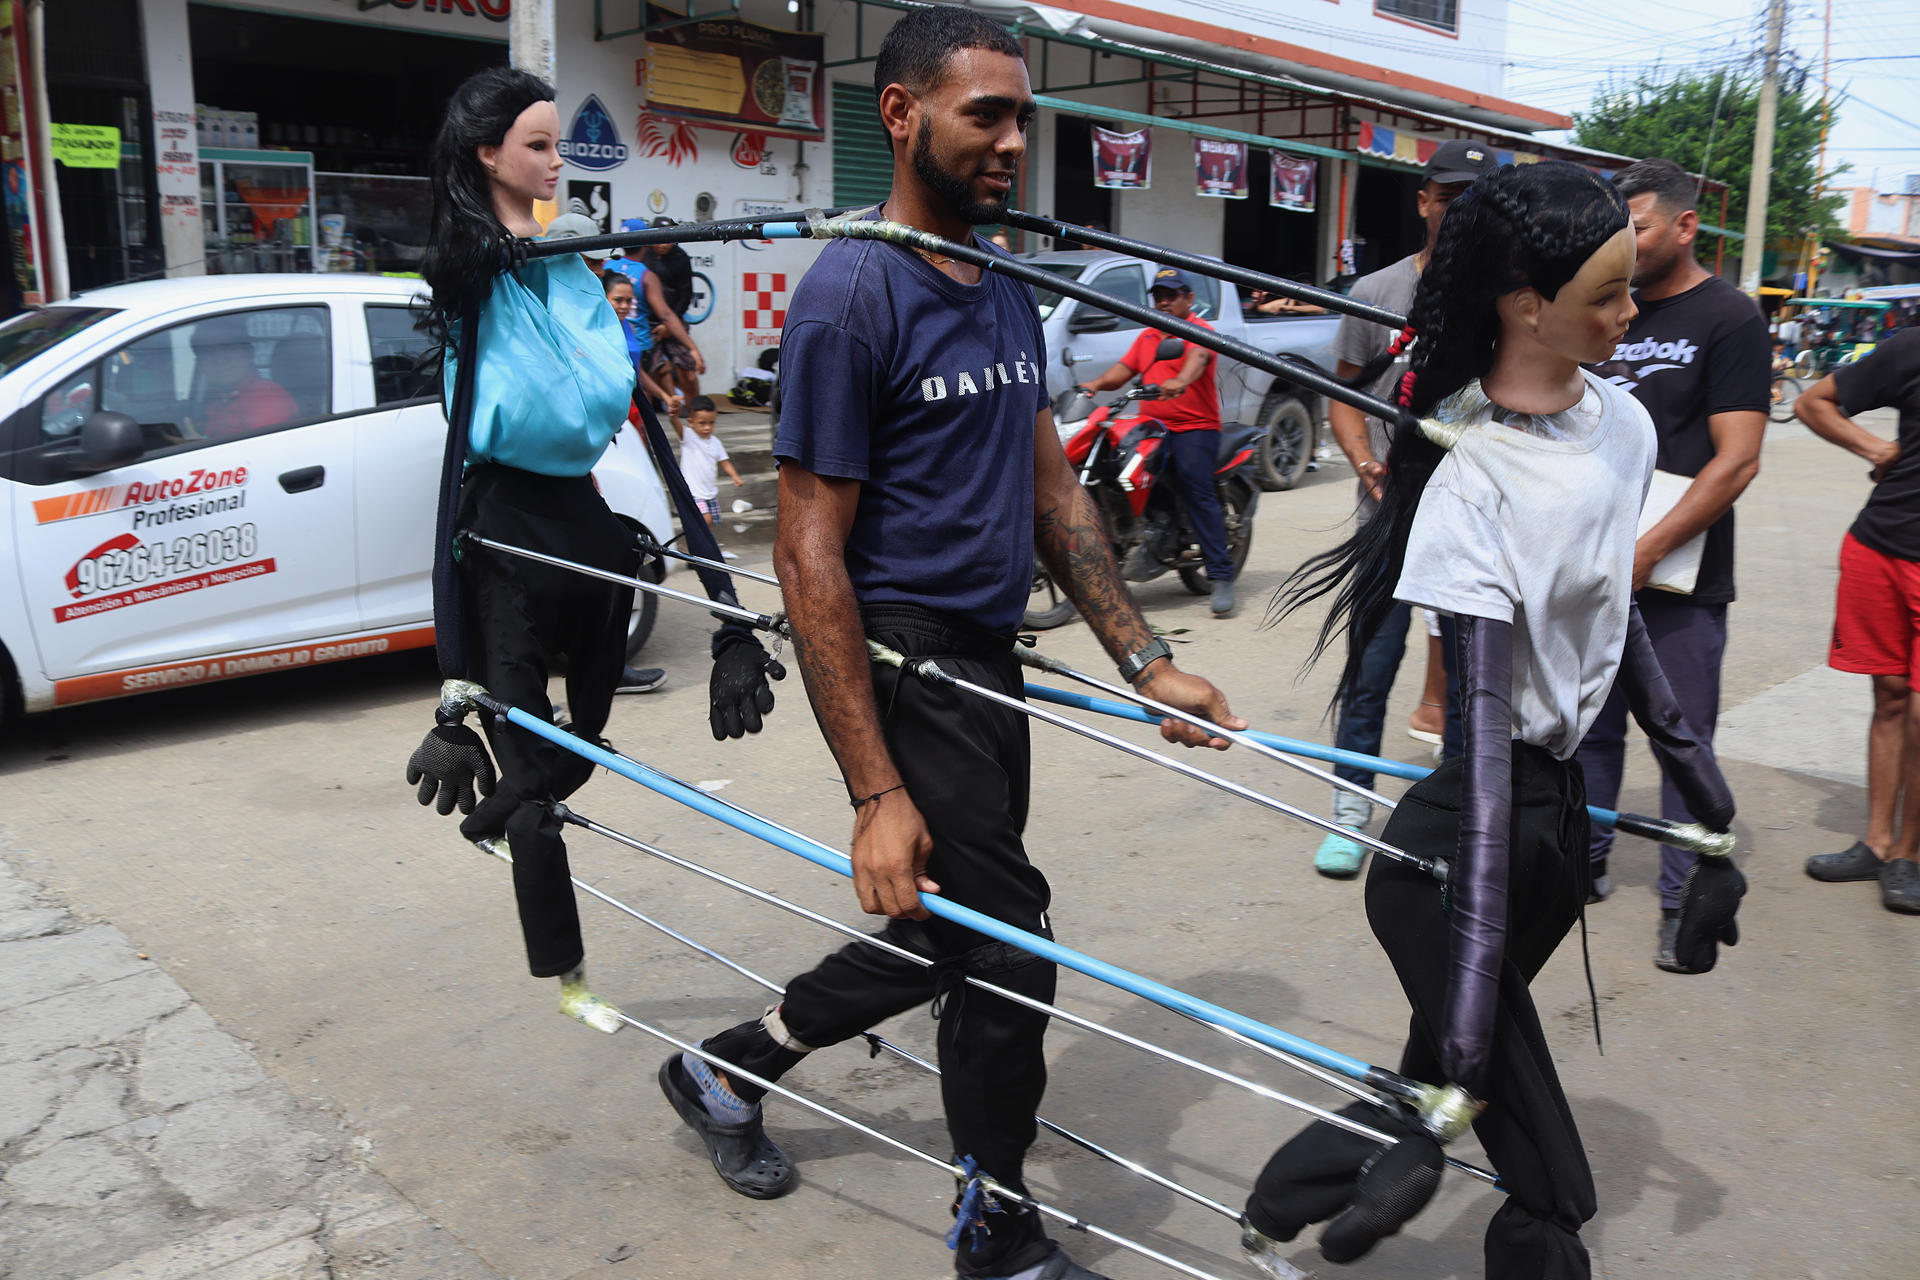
[1283, 135]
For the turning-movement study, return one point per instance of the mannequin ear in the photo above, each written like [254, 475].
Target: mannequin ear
[489, 157]
[1526, 304]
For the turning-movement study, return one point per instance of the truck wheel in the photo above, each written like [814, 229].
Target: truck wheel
[1286, 442]
[645, 605]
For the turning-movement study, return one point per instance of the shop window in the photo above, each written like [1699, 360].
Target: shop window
[862, 152]
[404, 369]
[223, 377]
[1441, 15]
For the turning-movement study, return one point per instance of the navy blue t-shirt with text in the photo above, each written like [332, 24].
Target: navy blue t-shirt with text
[926, 391]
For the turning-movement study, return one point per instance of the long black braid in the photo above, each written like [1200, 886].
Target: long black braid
[1519, 226]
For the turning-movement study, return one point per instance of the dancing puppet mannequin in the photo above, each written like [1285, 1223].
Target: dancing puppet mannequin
[1524, 532]
[538, 382]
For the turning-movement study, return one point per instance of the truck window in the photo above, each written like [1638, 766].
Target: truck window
[1125, 283]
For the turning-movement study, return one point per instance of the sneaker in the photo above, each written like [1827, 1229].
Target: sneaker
[1222, 598]
[640, 680]
[1900, 886]
[727, 555]
[1600, 890]
[1857, 863]
[1339, 857]
[1666, 957]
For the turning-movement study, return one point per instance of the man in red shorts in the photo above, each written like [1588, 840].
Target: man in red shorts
[1876, 625]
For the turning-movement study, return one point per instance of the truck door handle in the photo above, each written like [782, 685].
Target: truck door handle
[303, 479]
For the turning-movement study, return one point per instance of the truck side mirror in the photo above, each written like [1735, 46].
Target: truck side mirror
[1088, 318]
[110, 439]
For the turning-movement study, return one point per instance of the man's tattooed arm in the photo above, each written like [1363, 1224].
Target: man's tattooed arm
[1071, 542]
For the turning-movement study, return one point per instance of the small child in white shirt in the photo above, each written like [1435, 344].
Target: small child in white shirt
[702, 455]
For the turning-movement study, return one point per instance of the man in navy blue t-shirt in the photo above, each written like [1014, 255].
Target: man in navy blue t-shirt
[920, 474]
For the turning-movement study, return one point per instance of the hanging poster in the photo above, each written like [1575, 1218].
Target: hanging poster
[1220, 168]
[1291, 183]
[1122, 161]
[735, 75]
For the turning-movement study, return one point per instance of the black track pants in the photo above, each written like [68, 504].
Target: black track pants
[965, 763]
[1527, 1128]
[521, 618]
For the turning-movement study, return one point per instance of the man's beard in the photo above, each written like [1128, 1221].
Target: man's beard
[956, 192]
[1652, 271]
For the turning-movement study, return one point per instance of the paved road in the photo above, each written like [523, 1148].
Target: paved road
[256, 842]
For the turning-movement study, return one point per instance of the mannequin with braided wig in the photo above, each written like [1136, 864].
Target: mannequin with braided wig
[1522, 527]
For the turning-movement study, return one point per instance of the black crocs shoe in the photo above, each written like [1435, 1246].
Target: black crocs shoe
[1857, 863]
[1900, 886]
[743, 1155]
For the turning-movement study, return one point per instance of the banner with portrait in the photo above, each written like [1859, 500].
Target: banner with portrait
[1290, 182]
[1220, 168]
[1122, 161]
[735, 75]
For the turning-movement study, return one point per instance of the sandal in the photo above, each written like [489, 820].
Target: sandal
[742, 1154]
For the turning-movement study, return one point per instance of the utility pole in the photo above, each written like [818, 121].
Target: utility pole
[1753, 248]
[530, 37]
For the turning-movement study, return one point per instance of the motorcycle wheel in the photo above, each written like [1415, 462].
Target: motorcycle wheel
[1233, 505]
[1047, 606]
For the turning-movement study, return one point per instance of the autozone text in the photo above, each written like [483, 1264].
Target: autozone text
[112, 567]
[161, 591]
[199, 480]
[137, 493]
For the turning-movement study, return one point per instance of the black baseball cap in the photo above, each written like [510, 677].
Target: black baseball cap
[665, 222]
[1460, 161]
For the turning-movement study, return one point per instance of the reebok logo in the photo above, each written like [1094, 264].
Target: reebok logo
[1679, 351]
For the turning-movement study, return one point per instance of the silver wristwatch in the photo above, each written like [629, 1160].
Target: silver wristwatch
[1134, 663]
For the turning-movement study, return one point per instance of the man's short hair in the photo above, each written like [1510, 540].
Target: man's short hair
[1674, 189]
[916, 50]
[700, 404]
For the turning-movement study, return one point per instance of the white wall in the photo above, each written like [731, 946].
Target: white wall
[163, 28]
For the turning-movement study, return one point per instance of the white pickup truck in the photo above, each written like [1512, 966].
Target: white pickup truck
[1083, 341]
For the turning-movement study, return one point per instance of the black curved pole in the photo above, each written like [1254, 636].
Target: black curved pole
[1241, 276]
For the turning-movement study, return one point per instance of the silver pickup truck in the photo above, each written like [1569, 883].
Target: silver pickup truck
[1083, 341]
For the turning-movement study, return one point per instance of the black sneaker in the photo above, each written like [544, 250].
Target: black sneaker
[1666, 957]
[640, 680]
[1599, 885]
[1900, 886]
[1857, 863]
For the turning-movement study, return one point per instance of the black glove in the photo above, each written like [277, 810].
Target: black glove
[737, 691]
[1709, 903]
[450, 763]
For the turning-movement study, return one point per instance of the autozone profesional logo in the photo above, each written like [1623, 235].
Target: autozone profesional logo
[137, 493]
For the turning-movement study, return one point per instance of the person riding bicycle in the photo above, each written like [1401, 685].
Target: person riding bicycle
[1189, 408]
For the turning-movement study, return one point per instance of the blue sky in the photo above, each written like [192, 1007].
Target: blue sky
[1560, 52]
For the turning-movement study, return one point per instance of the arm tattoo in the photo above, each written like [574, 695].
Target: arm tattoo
[1073, 544]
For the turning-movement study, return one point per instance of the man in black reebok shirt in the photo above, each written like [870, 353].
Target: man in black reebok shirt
[1697, 357]
[1877, 614]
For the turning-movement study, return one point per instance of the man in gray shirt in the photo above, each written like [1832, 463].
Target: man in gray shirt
[1365, 440]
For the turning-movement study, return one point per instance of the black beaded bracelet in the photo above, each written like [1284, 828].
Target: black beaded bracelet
[866, 800]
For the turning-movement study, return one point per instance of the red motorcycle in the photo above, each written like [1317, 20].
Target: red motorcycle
[1119, 450]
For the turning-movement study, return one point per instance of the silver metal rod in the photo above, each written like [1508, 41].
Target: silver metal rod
[1336, 1080]
[763, 621]
[1053, 666]
[995, 1189]
[881, 1042]
[655, 549]
[1054, 1011]
[930, 670]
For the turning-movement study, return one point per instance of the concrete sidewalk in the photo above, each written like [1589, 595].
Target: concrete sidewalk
[138, 1141]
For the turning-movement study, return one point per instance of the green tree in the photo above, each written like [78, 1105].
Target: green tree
[1680, 117]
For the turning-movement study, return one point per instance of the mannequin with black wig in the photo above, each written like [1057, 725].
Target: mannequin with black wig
[1528, 282]
[520, 342]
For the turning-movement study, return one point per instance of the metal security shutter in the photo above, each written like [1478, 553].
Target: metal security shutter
[862, 152]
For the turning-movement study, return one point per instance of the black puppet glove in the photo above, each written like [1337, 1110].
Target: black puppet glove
[1709, 903]
[738, 693]
[450, 765]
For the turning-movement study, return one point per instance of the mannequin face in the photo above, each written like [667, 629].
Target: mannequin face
[1586, 319]
[526, 165]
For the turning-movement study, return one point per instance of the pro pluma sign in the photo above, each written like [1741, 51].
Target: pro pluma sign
[592, 142]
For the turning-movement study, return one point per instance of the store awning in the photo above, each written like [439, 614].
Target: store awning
[1878, 255]
[1859, 304]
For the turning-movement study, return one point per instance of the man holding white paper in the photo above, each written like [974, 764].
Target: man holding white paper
[1697, 358]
